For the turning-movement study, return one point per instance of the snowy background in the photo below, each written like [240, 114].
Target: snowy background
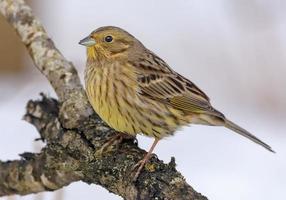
[234, 50]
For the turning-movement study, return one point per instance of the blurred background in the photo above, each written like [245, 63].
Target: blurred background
[234, 50]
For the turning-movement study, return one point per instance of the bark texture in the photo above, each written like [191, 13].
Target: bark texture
[74, 134]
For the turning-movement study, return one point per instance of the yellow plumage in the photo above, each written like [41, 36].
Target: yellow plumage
[134, 91]
[118, 104]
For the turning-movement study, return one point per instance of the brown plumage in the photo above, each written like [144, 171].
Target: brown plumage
[134, 91]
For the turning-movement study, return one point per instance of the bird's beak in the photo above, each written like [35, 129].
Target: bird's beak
[88, 41]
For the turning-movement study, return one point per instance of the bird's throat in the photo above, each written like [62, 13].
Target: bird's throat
[95, 53]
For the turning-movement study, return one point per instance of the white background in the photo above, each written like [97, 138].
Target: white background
[235, 52]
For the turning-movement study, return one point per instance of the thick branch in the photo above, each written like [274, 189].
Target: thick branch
[74, 133]
[49, 170]
[61, 73]
[72, 154]
[47, 58]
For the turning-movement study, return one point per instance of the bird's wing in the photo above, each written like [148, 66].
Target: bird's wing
[159, 82]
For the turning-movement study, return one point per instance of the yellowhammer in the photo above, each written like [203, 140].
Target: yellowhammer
[135, 91]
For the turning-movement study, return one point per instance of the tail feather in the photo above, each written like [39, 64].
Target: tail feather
[232, 126]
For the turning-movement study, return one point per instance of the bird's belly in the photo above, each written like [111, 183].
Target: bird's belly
[150, 121]
[114, 116]
[109, 101]
[122, 109]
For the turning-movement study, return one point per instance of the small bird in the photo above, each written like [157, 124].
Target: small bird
[136, 92]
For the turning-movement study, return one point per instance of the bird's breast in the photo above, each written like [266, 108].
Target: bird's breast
[111, 92]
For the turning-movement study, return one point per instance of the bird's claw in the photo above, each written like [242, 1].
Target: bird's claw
[114, 140]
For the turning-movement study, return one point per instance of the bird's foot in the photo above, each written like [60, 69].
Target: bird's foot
[142, 162]
[115, 140]
[139, 166]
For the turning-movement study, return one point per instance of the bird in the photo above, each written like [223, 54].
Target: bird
[136, 92]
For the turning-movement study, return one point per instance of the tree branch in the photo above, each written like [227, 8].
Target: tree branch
[46, 57]
[61, 73]
[72, 155]
[74, 133]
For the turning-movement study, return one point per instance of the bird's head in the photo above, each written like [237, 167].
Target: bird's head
[108, 42]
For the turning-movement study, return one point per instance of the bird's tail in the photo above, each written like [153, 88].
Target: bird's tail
[232, 126]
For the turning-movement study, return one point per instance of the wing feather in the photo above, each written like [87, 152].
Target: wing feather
[158, 81]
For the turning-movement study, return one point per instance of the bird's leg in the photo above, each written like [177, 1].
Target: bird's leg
[114, 140]
[117, 137]
[142, 162]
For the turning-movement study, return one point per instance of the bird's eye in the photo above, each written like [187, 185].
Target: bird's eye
[108, 38]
